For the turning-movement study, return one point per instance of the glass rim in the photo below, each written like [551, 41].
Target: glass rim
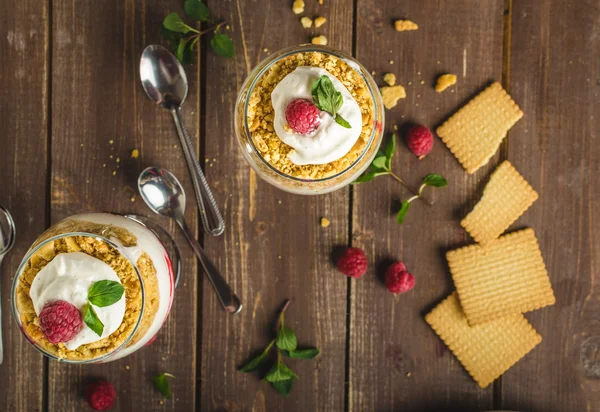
[19, 272]
[306, 48]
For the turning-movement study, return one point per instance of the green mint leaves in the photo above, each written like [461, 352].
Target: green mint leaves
[101, 294]
[90, 317]
[432, 180]
[175, 31]
[328, 99]
[277, 373]
[162, 384]
[382, 165]
[105, 293]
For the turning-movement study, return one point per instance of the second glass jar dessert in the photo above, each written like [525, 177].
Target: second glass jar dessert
[309, 119]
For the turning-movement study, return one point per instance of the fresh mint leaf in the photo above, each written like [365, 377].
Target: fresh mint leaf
[379, 162]
[309, 353]
[105, 293]
[390, 148]
[162, 384]
[184, 50]
[286, 339]
[283, 387]
[342, 122]
[402, 212]
[196, 10]
[222, 45]
[435, 181]
[90, 317]
[174, 23]
[172, 37]
[280, 372]
[256, 362]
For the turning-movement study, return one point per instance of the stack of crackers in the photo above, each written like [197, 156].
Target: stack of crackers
[502, 276]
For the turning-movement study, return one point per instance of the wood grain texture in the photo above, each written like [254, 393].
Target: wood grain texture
[273, 248]
[23, 111]
[396, 361]
[555, 70]
[100, 113]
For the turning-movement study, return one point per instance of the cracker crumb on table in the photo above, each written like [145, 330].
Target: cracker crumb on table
[325, 222]
[391, 95]
[445, 81]
[405, 25]
[306, 22]
[321, 40]
[298, 6]
[390, 79]
[319, 21]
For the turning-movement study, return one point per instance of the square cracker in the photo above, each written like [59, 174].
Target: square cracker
[485, 351]
[505, 198]
[506, 277]
[475, 132]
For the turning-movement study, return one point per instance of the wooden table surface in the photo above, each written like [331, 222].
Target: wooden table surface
[69, 86]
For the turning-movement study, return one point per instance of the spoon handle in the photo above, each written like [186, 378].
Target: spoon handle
[231, 303]
[209, 211]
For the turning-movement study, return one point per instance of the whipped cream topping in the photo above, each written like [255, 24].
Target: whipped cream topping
[329, 141]
[68, 277]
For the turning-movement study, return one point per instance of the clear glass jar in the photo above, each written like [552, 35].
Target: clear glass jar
[140, 254]
[294, 184]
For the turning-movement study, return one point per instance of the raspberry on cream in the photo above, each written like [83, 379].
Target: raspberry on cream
[329, 141]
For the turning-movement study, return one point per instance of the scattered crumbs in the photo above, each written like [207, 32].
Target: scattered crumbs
[279, 257]
[452, 91]
[319, 21]
[127, 367]
[438, 62]
[320, 40]
[417, 104]
[570, 61]
[161, 402]
[422, 81]
[373, 73]
[118, 159]
[104, 165]
[306, 22]
[405, 25]
[445, 81]
[117, 166]
[402, 117]
[390, 79]
[227, 27]
[192, 112]
[391, 62]
[320, 1]
[211, 165]
[206, 159]
[279, 201]
[87, 181]
[298, 6]
[408, 374]
[174, 146]
[419, 73]
[391, 95]
[325, 222]
[237, 243]
[266, 50]
[81, 145]
[114, 172]
[418, 95]
[395, 127]
[409, 83]
[111, 156]
[214, 159]
[111, 141]
[135, 153]
[437, 108]
[132, 201]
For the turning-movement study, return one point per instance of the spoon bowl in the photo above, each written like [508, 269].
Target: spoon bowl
[7, 240]
[163, 77]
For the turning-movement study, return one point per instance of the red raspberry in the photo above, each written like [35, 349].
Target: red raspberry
[353, 262]
[397, 279]
[419, 140]
[60, 321]
[302, 116]
[100, 395]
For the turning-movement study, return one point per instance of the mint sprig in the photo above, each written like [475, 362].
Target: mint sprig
[101, 294]
[432, 180]
[279, 375]
[176, 31]
[328, 99]
[162, 384]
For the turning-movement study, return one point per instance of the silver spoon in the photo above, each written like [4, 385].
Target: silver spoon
[163, 193]
[165, 82]
[7, 240]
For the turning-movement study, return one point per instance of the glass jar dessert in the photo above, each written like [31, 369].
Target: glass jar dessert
[309, 119]
[94, 288]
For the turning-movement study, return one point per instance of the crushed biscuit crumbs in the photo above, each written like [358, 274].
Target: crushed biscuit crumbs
[405, 25]
[265, 50]
[445, 81]
[325, 222]
[391, 62]
[111, 141]
[104, 165]
[114, 172]
[118, 159]
[260, 113]
[298, 6]
[390, 79]
[319, 21]
[395, 127]
[306, 22]
[135, 153]
[391, 95]
[322, 40]
[422, 81]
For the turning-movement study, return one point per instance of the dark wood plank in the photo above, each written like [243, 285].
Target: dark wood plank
[555, 67]
[273, 247]
[396, 360]
[97, 98]
[23, 116]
